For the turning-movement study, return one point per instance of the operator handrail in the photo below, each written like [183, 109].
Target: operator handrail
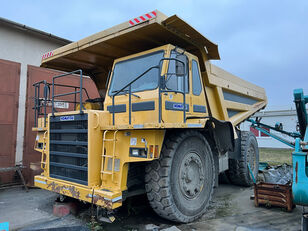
[37, 105]
[46, 96]
[137, 96]
[60, 85]
[71, 93]
[63, 85]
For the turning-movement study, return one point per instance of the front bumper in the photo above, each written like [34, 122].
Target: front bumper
[101, 197]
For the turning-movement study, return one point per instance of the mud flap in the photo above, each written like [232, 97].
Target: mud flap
[236, 153]
[223, 134]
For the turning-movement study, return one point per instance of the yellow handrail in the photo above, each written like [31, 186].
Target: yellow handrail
[44, 152]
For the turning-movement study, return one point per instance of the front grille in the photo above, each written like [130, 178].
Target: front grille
[68, 144]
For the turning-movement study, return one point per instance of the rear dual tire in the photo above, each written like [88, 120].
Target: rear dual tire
[238, 172]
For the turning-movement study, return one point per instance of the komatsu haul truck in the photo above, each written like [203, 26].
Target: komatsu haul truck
[166, 122]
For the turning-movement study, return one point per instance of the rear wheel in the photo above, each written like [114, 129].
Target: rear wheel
[238, 169]
[180, 184]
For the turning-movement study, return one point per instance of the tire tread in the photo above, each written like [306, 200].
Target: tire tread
[157, 189]
[238, 170]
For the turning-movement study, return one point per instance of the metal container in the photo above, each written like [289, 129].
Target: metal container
[274, 195]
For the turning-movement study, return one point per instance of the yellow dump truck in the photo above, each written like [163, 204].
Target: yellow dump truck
[166, 123]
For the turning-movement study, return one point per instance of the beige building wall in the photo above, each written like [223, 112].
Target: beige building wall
[25, 45]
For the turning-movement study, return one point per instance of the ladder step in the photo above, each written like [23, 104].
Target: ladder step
[112, 157]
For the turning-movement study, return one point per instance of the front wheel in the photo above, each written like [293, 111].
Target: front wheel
[180, 184]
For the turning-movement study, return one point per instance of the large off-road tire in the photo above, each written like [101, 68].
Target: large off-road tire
[180, 184]
[238, 171]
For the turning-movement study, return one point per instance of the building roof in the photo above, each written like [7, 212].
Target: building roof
[33, 30]
[277, 111]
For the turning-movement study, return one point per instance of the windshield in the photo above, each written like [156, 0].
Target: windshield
[126, 71]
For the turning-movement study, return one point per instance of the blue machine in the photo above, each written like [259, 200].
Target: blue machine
[299, 155]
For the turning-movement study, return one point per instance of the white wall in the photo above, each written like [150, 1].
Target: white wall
[26, 48]
[287, 117]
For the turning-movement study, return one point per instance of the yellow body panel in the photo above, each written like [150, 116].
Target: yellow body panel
[227, 92]
[98, 181]
[106, 199]
[89, 106]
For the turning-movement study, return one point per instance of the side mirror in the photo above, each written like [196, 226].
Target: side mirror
[179, 68]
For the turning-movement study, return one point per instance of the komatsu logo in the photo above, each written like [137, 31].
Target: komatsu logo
[179, 106]
[66, 118]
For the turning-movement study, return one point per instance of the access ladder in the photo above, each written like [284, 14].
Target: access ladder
[105, 156]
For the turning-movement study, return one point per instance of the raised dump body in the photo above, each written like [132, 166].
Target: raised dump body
[165, 123]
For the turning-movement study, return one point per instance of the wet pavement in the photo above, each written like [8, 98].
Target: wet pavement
[231, 209]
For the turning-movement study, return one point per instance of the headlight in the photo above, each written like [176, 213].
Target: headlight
[138, 152]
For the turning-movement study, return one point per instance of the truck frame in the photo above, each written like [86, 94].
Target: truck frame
[166, 122]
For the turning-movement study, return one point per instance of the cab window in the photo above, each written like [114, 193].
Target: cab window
[126, 71]
[196, 82]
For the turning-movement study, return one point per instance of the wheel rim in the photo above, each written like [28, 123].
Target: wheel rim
[191, 175]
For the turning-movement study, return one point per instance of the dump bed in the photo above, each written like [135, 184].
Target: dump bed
[230, 97]
[95, 54]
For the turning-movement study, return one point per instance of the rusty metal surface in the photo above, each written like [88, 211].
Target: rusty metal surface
[274, 195]
[9, 93]
[98, 200]
[90, 195]
[36, 74]
[59, 189]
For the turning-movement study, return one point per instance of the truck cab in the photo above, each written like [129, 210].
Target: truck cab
[156, 98]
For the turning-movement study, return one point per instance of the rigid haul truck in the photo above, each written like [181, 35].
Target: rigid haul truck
[166, 123]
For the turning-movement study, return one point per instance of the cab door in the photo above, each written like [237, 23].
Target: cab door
[198, 102]
[173, 101]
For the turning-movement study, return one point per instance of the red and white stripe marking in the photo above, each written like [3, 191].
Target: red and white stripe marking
[47, 55]
[143, 18]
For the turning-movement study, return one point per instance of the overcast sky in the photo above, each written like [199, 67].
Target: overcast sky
[264, 41]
